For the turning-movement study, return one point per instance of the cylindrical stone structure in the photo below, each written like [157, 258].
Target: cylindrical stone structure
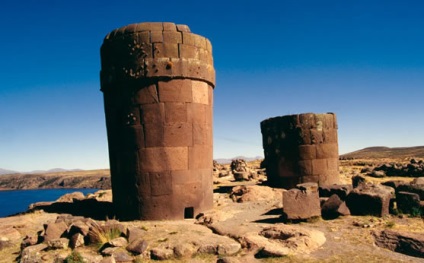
[157, 80]
[301, 148]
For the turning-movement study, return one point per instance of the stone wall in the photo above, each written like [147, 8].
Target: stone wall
[158, 80]
[300, 149]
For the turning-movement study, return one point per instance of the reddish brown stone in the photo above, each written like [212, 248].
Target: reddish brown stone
[183, 28]
[156, 37]
[169, 26]
[301, 204]
[200, 92]
[153, 113]
[198, 113]
[188, 51]
[178, 134]
[178, 90]
[307, 152]
[176, 112]
[158, 105]
[205, 152]
[160, 183]
[305, 167]
[172, 37]
[146, 95]
[152, 26]
[327, 150]
[165, 50]
[319, 166]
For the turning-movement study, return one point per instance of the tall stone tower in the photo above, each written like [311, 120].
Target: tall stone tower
[301, 148]
[158, 81]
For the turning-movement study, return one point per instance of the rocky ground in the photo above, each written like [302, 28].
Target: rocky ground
[246, 225]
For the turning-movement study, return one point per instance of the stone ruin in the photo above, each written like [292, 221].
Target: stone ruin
[158, 81]
[301, 148]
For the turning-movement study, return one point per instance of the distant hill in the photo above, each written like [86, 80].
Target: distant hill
[5, 171]
[386, 152]
[247, 159]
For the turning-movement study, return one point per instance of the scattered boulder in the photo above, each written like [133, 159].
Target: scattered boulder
[69, 198]
[358, 180]
[54, 230]
[411, 244]
[334, 207]
[60, 243]
[137, 246]
[370, 200]
[250, 193]
[302, 202]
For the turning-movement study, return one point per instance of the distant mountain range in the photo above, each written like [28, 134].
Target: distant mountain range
[54, 170]
[386, 152]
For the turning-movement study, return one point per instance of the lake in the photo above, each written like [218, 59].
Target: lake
[16, 201]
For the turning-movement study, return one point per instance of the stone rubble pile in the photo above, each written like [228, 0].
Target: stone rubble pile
[415, 168]
[308, 201]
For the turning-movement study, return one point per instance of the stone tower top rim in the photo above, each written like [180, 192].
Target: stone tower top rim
[147, 26]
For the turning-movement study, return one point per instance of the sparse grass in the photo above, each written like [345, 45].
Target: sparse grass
[101, 235]
[74, 257]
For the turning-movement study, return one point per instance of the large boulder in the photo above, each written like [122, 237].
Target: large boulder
[370, 200]
[302, 202]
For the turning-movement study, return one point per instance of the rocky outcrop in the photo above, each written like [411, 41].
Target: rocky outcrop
[415, 168]
[407, 243]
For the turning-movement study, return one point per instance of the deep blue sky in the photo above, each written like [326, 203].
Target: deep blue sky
[363, 60]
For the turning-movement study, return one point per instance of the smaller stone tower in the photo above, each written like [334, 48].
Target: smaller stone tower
[301, 148]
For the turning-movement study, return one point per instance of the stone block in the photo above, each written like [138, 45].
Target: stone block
[158, 159]
[202, 134]
[156, 37]
[198, 113]
[319, 166]
[174, 37]
[152, 113]
[183, 177]
[200, 92]
[178, 134]
[154, 134]
[183, 28]
[152, 26]
[188, 51]
[176, 90]
[330, 207]
[169, 26]
[210, 95]
[311, 179]
[330, 136]
[160, 183]
[54, 231]
[316, 137]
[146, 95]
[200, 157]
[327, 150]
[333, 164]
[307, 121]
[329, 178]
[305, 167]
[370, 200]
[307, 152]
[300, 205]
[175, 112]
[165, 50]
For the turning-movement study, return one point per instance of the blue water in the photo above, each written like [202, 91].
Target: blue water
[16, 201]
